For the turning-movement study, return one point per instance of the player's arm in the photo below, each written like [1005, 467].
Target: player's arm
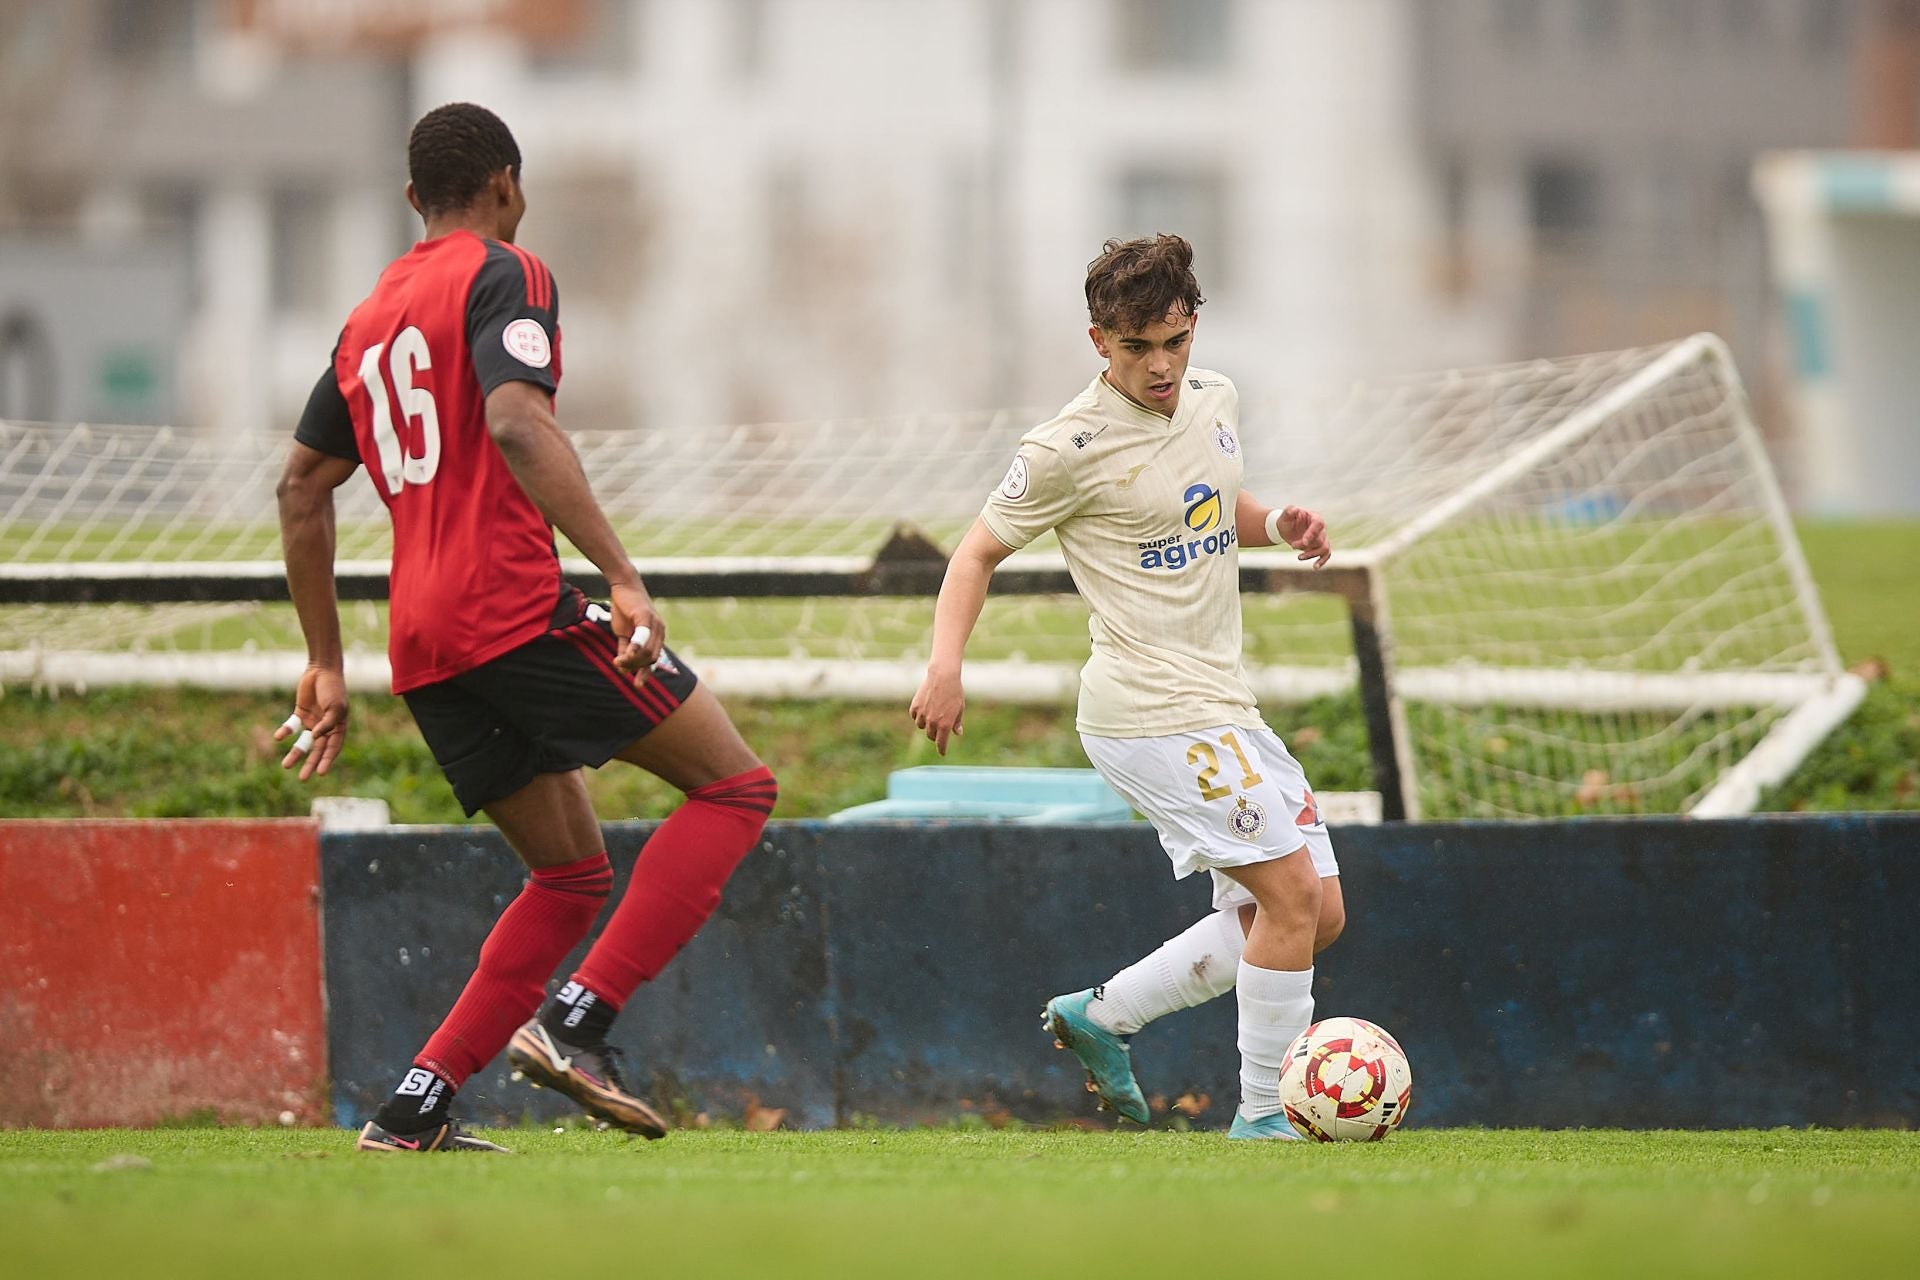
[1263, 526]
[513, 331]
[941, 700]
[520, 419]
[322, 457]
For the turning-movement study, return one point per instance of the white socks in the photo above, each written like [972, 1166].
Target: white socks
[1185, 971]
[1275, 1007]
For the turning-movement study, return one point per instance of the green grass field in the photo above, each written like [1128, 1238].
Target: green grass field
[966, 1203]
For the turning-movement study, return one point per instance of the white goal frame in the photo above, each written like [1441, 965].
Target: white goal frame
[1813, 700]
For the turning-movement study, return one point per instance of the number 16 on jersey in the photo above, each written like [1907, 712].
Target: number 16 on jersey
[400, 465]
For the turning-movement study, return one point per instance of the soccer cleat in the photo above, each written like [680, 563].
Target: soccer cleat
[589, 1074]
[1275, 1126]
[1106, 1056]
[442, 1137]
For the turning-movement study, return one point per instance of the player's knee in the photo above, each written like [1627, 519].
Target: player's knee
[759, 782]
[1333, 922]
[753, 790]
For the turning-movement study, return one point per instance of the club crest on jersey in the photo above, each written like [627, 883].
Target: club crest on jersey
[1248, 819]
[1014, 487]
[1224, 440]
[527, 342]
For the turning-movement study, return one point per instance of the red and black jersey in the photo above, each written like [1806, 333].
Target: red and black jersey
[475, 572]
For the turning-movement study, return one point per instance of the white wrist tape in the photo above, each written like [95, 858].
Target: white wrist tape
[1273, 527]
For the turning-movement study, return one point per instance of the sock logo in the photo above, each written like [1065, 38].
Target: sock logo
[423, 1084]
[418, 1081]
[569, 993]
[580, 1006]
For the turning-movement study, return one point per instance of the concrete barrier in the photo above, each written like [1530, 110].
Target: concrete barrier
[159, 970]
[1632, 972]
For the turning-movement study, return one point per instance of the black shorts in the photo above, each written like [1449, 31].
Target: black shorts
[552, 705]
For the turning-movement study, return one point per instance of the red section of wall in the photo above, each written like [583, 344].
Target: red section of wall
[157, 969]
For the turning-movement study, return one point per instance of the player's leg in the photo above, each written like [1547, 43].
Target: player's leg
[679, 875]
[675, 887]
[1274, 983]
[1201, 963]
[548, 820]
[1333, 914]
[1191, 968]
[1097, 1024]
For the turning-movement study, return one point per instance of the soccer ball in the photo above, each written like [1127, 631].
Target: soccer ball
[1345, 1080]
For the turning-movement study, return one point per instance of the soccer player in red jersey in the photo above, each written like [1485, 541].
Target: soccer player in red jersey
[442, 384]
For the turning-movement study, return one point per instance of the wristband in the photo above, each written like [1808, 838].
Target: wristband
[1273, 527]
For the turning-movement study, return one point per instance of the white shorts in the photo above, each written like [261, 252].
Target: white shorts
[1221, 797]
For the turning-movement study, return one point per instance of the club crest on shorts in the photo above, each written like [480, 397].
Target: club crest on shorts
[1248, 819]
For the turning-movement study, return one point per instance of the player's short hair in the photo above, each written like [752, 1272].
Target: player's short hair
[452, 152]
[1134, 283]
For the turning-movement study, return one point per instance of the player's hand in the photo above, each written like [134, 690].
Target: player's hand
[1306, 533]
[319, 717]
[938, 706]
[640, 632]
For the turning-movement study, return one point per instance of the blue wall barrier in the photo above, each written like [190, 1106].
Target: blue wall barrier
[1636, 972]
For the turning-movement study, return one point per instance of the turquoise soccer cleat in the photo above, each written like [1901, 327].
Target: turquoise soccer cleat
[1273, 1127]
[1108, 1060]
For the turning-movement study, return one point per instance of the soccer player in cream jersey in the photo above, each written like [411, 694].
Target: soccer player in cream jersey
[1140, 479]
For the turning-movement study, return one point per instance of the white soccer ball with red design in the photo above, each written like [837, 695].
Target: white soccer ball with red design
[1345, 1080]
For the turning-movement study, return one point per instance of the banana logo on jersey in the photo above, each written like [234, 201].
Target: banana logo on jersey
[1203, 507]
[1203, 516]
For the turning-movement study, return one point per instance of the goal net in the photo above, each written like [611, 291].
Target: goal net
[1567, 586]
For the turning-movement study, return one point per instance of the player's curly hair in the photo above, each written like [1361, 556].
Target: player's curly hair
[452, 152]
[1134, 283]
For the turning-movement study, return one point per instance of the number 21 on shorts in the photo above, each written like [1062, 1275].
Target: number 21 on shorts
[1203, 754]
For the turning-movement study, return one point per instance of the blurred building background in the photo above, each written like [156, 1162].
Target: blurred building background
[761, 210]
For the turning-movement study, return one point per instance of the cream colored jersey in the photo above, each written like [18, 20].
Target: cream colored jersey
[1143, 507]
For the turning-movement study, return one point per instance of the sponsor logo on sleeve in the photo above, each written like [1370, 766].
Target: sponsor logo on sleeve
[1014, 487]
[527, 342]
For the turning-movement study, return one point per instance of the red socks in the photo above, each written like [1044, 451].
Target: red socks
[533, 935]
[676, 882]
[675, 887]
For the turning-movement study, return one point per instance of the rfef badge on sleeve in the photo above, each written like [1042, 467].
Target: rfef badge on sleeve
[1014, 487]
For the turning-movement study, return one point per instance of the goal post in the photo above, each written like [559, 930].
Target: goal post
[1562, 586]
